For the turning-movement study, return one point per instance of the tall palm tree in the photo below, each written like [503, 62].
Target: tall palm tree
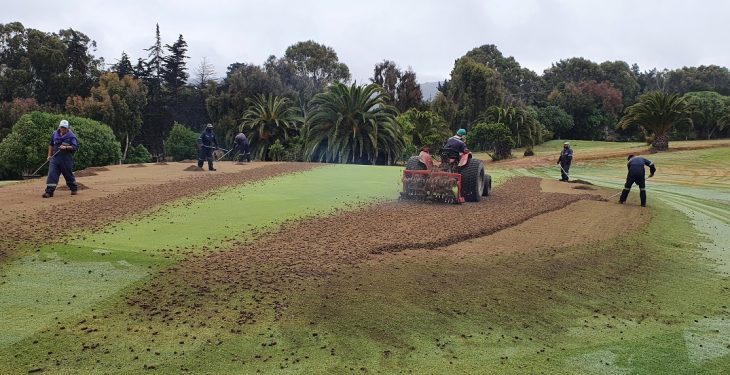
[352, 124]
[656, 113]
[269, 118]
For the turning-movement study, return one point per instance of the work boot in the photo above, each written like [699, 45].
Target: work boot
[74, 192]
[212, 169]
[47, 195]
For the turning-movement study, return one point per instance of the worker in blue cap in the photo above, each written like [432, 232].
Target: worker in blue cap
[61, 148]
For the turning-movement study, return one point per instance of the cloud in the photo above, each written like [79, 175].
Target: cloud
[425, 35]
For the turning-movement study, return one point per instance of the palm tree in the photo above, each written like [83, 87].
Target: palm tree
[352, 124]
[425, 128]
[525, 128]
[269, 119]
[656, 113]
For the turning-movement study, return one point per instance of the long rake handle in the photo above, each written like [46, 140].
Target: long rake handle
[216, 148]
[224, 155]
[566, 173]
[46, 162]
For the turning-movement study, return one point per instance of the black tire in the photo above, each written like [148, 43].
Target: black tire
[487, 186]
[472, 180]
[414, 164]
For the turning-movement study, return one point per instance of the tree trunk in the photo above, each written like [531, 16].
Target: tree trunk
[660, 143]
[126, 147]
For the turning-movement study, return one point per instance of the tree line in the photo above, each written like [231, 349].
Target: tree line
[303, 106]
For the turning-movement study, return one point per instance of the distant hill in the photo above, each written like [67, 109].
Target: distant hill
[429, 90]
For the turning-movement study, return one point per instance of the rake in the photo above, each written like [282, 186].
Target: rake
[224, 155]
[35, 173]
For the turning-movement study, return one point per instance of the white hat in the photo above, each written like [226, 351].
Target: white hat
[566, 144]
[63, 124]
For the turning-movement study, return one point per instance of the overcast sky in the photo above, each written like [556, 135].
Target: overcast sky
[425, 35]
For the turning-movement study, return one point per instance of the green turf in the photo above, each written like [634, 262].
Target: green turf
[642, 304]
[631, 290]
[232, 213]
[656, 302]
[553, 147]
[37, 290]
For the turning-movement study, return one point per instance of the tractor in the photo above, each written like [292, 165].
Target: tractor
[458, 178]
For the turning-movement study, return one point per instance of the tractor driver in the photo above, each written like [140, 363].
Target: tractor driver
[457, 143]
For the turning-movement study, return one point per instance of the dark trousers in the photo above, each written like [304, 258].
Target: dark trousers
[243, 153]
[631, 179]
[205, 153]
[564, 171]
[61, 165]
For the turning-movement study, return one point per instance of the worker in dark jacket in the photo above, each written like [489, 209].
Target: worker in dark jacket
[456, 143]
[61, 147]
[636, 166]
[206, 145]
[565, 159]
[242, 143]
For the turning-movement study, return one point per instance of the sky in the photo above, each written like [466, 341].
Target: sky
[426, 35]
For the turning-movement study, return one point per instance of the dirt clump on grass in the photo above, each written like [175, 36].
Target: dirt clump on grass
[97, 169]
[85, 173]
[138, 165]
[582, 182]
[583, 187]
[194, 168]
[317, 248]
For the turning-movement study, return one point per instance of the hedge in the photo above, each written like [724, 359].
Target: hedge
[26, 147]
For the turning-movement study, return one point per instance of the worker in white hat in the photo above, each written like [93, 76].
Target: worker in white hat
[566, 157]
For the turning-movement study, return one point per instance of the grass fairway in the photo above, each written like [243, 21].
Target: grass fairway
[232, 213]
[63, 280]
[656, 301]
[506, 315]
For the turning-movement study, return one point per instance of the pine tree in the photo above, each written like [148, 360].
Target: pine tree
[123, 67]
[174, 70]
[140, 70]
[156, 58]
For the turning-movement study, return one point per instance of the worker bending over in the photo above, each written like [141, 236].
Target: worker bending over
[636, 166]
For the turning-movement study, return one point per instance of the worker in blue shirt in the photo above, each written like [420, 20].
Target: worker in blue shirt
[565, 159]
[207, 143]
[61, 148]
[636, 173]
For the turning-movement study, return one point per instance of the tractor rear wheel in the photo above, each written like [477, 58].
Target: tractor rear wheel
[414, 164]
[472, 181]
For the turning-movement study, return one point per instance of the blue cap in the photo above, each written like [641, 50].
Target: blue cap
[461, 132]
[63, 124]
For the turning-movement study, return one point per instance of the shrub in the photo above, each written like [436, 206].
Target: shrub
[25, 148]
[495, 139]
[181, 143]
[138, 154]
[276, 151]
[294, 150]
